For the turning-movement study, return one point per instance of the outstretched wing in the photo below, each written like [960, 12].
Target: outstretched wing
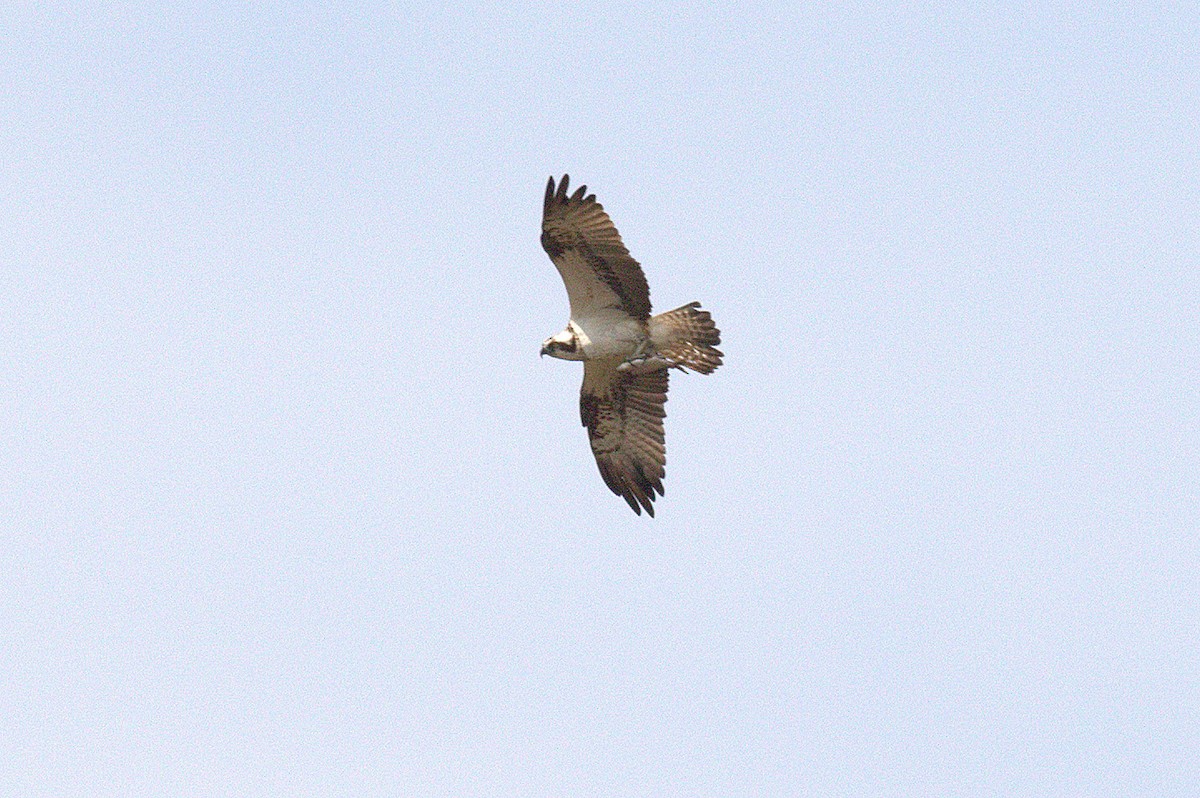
[588, 252]
[624, 414]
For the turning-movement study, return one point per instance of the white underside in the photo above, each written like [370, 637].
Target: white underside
[608, 333]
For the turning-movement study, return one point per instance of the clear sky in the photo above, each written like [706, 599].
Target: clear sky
[290, 505]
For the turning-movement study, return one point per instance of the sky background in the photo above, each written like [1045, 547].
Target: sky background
[289, 505]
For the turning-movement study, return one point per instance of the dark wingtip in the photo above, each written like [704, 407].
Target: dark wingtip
[558, 193]
[644, 495]
[639, 502]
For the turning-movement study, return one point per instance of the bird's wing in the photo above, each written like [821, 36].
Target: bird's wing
[588, 252]
[624, 413]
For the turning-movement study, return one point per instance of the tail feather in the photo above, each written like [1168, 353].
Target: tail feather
[688, 337]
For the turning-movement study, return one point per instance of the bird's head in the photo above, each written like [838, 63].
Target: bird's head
[563, 345]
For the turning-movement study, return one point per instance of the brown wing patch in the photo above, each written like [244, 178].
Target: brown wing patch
[624, 416]
[577, 222]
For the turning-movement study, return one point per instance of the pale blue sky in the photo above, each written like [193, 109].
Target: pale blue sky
[292, 507]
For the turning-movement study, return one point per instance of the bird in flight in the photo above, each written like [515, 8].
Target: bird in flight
[626, 352]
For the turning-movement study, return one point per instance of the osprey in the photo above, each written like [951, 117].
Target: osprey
[626, 352]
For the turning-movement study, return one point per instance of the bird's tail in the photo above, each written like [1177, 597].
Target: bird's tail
[687, 337]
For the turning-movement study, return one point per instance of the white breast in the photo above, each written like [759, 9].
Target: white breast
[608, 332]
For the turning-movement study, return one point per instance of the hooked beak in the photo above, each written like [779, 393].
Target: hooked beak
[544, 351]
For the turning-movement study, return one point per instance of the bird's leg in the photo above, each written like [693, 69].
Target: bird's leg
[644, 360]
